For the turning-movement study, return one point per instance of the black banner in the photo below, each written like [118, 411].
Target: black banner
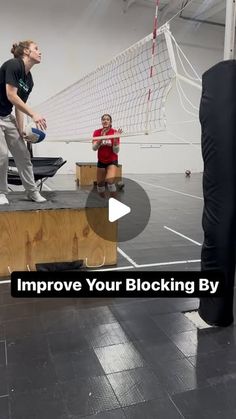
[129, 284]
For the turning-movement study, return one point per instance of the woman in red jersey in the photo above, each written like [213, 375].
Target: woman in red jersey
[107, 156]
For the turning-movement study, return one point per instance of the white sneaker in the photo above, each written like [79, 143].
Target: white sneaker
[35, 196]
[3, 199]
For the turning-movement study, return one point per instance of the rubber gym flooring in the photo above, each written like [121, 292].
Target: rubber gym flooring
[122, 358]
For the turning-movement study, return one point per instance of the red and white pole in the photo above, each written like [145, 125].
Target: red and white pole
[154, 35]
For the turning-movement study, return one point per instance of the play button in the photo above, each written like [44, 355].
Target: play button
[121, 218]
[117, 210]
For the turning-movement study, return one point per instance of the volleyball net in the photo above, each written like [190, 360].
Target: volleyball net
[124, 87]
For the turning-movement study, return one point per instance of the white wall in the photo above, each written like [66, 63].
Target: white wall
[76, 36]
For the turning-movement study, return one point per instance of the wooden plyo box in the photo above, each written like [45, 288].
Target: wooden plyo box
[86, 173]
[54, 235]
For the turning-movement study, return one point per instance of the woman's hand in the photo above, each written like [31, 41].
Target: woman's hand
[40, 121]
[96, 144]
[23, 134]
[104, 131]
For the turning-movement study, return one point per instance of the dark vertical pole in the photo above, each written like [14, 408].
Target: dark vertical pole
[218, 122]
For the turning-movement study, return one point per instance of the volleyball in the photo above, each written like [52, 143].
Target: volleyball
[33, 134]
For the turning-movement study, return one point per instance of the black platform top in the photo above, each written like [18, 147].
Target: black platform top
[88, 163]
[55, 200]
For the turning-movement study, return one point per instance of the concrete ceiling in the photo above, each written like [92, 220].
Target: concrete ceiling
[203, 10]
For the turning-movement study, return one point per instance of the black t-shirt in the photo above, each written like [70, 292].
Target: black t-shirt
[13, 72]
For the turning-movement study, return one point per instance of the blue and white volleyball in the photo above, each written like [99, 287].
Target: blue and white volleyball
[33, 134]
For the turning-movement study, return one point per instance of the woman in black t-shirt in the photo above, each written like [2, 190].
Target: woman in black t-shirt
[16, 83]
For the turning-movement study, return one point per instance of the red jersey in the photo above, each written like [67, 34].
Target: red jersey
[105, 151]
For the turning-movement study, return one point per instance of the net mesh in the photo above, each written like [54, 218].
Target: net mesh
[123, 88]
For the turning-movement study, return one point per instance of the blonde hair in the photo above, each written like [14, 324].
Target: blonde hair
[18, 48]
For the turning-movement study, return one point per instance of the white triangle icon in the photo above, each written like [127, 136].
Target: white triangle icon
[117, 210]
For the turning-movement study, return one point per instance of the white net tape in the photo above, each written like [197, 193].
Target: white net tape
[121, 88]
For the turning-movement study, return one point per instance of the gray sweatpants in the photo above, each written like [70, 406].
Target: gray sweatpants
[11, 140]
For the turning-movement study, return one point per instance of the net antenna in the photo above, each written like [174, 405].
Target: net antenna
[133, 87]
